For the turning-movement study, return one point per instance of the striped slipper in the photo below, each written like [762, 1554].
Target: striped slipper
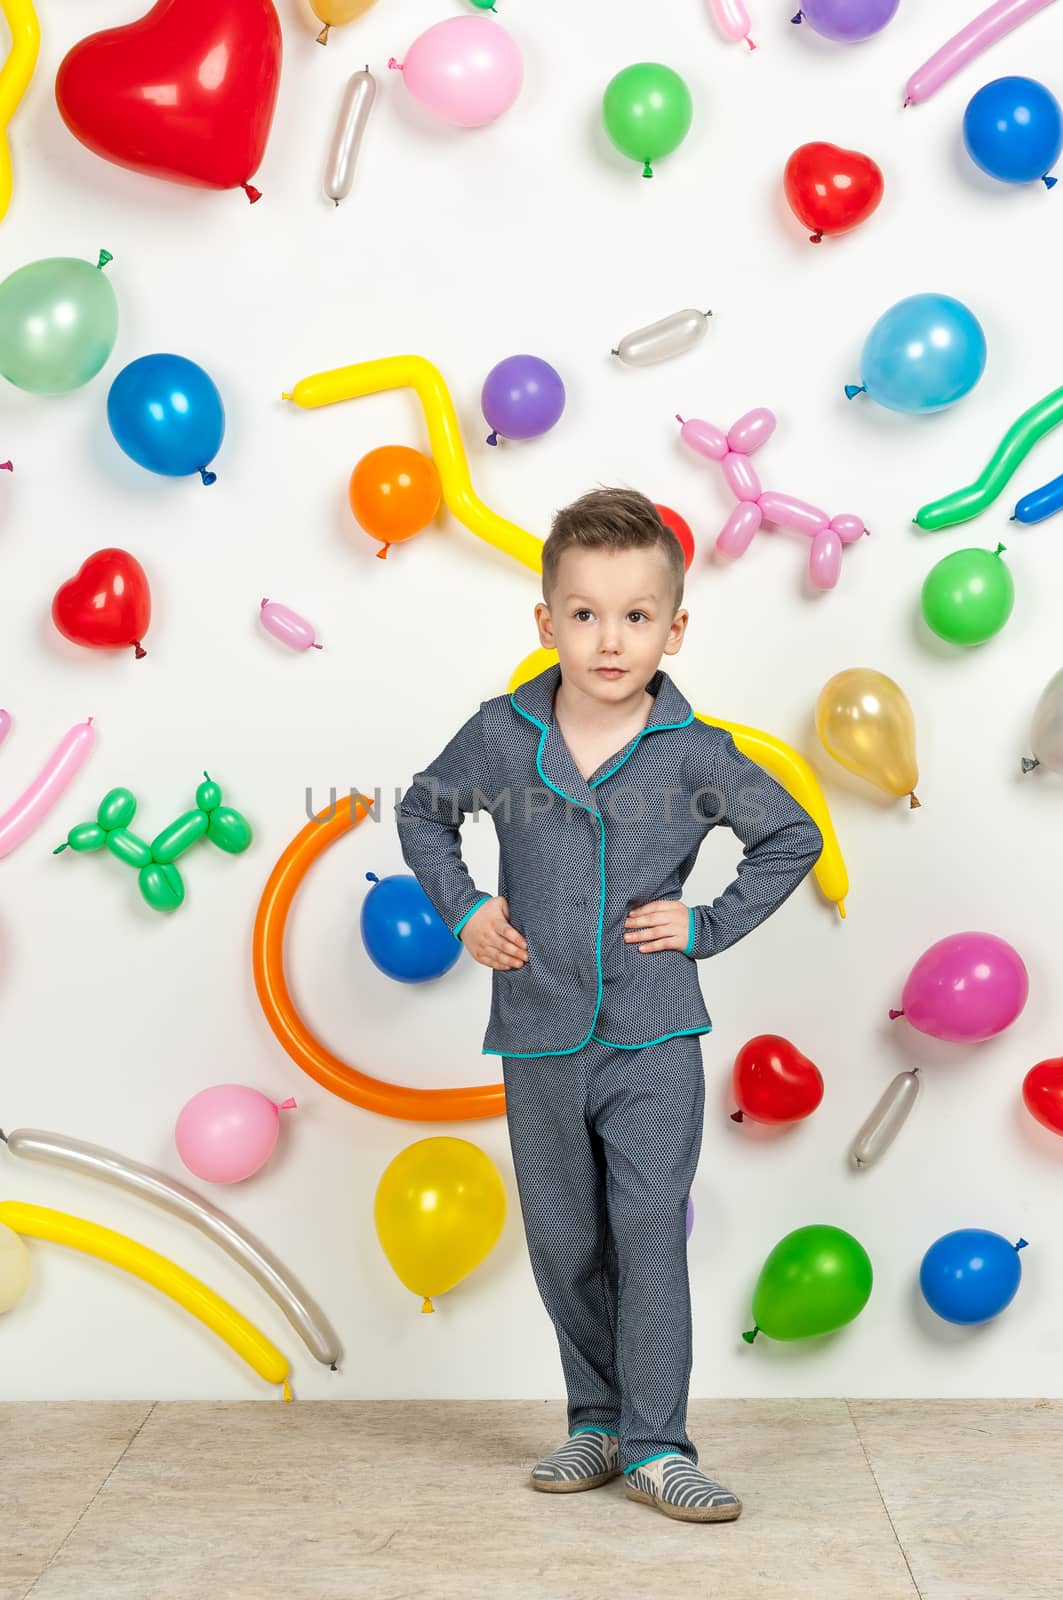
[589, 1458]
[674, 1485]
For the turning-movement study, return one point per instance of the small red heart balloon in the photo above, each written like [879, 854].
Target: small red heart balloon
[1042, 1090]
[107, 604]
[185, 93]
[774, 1082]
[830, 189]
[681, 528]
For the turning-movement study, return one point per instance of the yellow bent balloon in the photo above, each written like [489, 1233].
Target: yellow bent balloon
[448, 451]
[58, 1227]
[14, 80]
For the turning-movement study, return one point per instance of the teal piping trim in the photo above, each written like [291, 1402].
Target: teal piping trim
[659, 1457]
[679, 1035]
[609, 1431]
[690, 942]
[482, 901]
[660, 727]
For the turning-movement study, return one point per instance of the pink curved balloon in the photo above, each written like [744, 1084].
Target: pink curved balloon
[467, 70]
[287, 626]
[785, 511]
[985, 30]
[732, 19]
[741, 477]
[736, 535]
[965, 988]
[226, 1133]
[35, 802]
[752, 430]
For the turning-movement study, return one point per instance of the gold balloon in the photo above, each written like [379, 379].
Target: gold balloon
[439, 1210]
[866, 723]
[334, 13]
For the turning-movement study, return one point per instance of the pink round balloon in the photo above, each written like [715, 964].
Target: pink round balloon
[467, 70]
[226, 1133]
[965, 988]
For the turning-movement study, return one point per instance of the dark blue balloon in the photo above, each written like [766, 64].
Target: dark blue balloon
[403, 933]
[1013, 129]
[166, 413]
[1040, 503]
[970, 1275]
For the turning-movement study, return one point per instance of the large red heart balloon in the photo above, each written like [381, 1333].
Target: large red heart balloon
[107, 605]
[681, 528]
[830, 189]
[774, 1082]
[1042, 1090]
[187, 93]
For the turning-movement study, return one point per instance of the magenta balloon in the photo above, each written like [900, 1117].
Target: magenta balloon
[965, 988]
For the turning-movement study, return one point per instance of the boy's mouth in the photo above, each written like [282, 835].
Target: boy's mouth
[610, 672]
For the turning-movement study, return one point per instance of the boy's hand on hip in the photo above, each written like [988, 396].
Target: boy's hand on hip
[491, 939]
[658, 925]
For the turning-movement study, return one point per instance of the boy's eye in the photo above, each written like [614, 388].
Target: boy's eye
[637, 614]
[584, 612]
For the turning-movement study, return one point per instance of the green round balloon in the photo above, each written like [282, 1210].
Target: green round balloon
[815, 1280]
[58, 323]
[484, 5]
[968, 596]
[648, 111]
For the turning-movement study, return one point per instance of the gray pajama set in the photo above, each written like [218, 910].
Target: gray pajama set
[601, 1055]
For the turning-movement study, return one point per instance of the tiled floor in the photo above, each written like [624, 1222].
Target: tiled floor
[843, 1500]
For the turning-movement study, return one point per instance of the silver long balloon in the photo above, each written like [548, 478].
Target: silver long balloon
[1046, 736]
[355, 107]
[306, 1318]
[660, 340]
[885, 1121]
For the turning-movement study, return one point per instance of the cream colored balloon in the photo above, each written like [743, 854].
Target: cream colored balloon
[14, 1268]
[866, 723]
[334, 13]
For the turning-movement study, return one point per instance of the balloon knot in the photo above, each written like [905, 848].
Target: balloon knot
[913, 801]
[815, 238]
[999, 548]
[492, 438]
[1028, 765]
[647, 171]
[322, 37]
[749, 1337]
[287, 1105]
[316, 646]
[287, 1393]
[251, 192]
[382, 553]
[800, 17]
[736, 1116]
[395, 66]
[1022, 1244]
[428, 1306]
[907, 102]
[679, 419]
[372, 877]
[853, 389]
[750, 43]
[59, 849]
[139, 648]
[7, 466]
[1049, 182]
[208, 477]
[895, 1014]
[285, 396]
[105, 256]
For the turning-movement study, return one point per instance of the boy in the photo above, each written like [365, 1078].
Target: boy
[602, 786]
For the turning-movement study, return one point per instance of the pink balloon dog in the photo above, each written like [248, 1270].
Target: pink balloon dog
[965, 988]
[964, 46]
[732, 19]
[756, 505]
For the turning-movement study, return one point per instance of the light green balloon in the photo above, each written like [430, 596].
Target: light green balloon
[648, 112]
[968, 596]
[58, 323]
[815, 1280]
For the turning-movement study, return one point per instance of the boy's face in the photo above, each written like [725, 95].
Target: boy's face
[611, 609]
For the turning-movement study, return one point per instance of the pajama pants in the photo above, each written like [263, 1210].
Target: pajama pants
[605, 1145]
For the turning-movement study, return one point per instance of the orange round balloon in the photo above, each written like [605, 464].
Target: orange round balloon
[394, 492]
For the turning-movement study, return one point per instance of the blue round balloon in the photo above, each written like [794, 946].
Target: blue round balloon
[1013, 129]
[167, 414]
[922, 355]
[403, 933]
[970, 1275]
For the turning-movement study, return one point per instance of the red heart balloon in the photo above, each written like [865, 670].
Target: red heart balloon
[831, 190]
[774, 1082]
[186, 93]
[1042, 1090]
[107, 605]
[681, 528]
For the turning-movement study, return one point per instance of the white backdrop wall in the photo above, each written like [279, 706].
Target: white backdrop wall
[465, 247]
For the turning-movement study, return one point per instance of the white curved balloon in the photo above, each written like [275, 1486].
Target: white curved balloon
[886, 1120]
[658, 341]
[355, 107]
[306, 1318]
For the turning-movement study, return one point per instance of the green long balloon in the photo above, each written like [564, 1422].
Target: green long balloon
[1006, 459]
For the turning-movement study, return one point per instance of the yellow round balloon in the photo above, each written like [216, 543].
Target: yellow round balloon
[439, 1210]
[866, 723]
[14, 1268]
[334, 13]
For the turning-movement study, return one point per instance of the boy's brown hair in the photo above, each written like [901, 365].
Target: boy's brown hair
[611, 519]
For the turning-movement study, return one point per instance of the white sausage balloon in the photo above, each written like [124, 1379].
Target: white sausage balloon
[355, 107]
[886, 1120]
[658, 341]
[732, 19]
[757, 506]
[287, 626]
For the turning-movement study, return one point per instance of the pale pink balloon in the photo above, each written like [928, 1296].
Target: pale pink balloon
[741, 476]
[738, 531]
[704, 438]
[226, 1133]
[825, 559]
[5, 725]
[848, 528]
[785, 511]
[732, 19]
[35, 802]
[965, 988]
[467, 70]
[287, 626]
[751, 431]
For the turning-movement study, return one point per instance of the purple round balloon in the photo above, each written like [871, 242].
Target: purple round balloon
[847, 21]
[522, 398]
[690, 1213]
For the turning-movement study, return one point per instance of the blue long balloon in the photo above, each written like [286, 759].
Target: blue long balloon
[1040, 503]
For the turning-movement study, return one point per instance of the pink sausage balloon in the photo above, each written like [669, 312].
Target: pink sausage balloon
[20, 819]
[741, 478]
[732, 19]
[985, 30]
[751, 431]
[737, 532]
[848, 528]
[787, 512]
[965, 988]
[825, 559]
[287, 626]
[5, 725]
[704, 438]
[226, 1133]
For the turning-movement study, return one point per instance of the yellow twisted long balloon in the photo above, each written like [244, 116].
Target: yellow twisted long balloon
[14, 80]
[444, 433]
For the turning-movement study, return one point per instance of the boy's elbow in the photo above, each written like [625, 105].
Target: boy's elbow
[815, 843]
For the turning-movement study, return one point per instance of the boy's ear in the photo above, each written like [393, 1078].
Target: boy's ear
[545, 624]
